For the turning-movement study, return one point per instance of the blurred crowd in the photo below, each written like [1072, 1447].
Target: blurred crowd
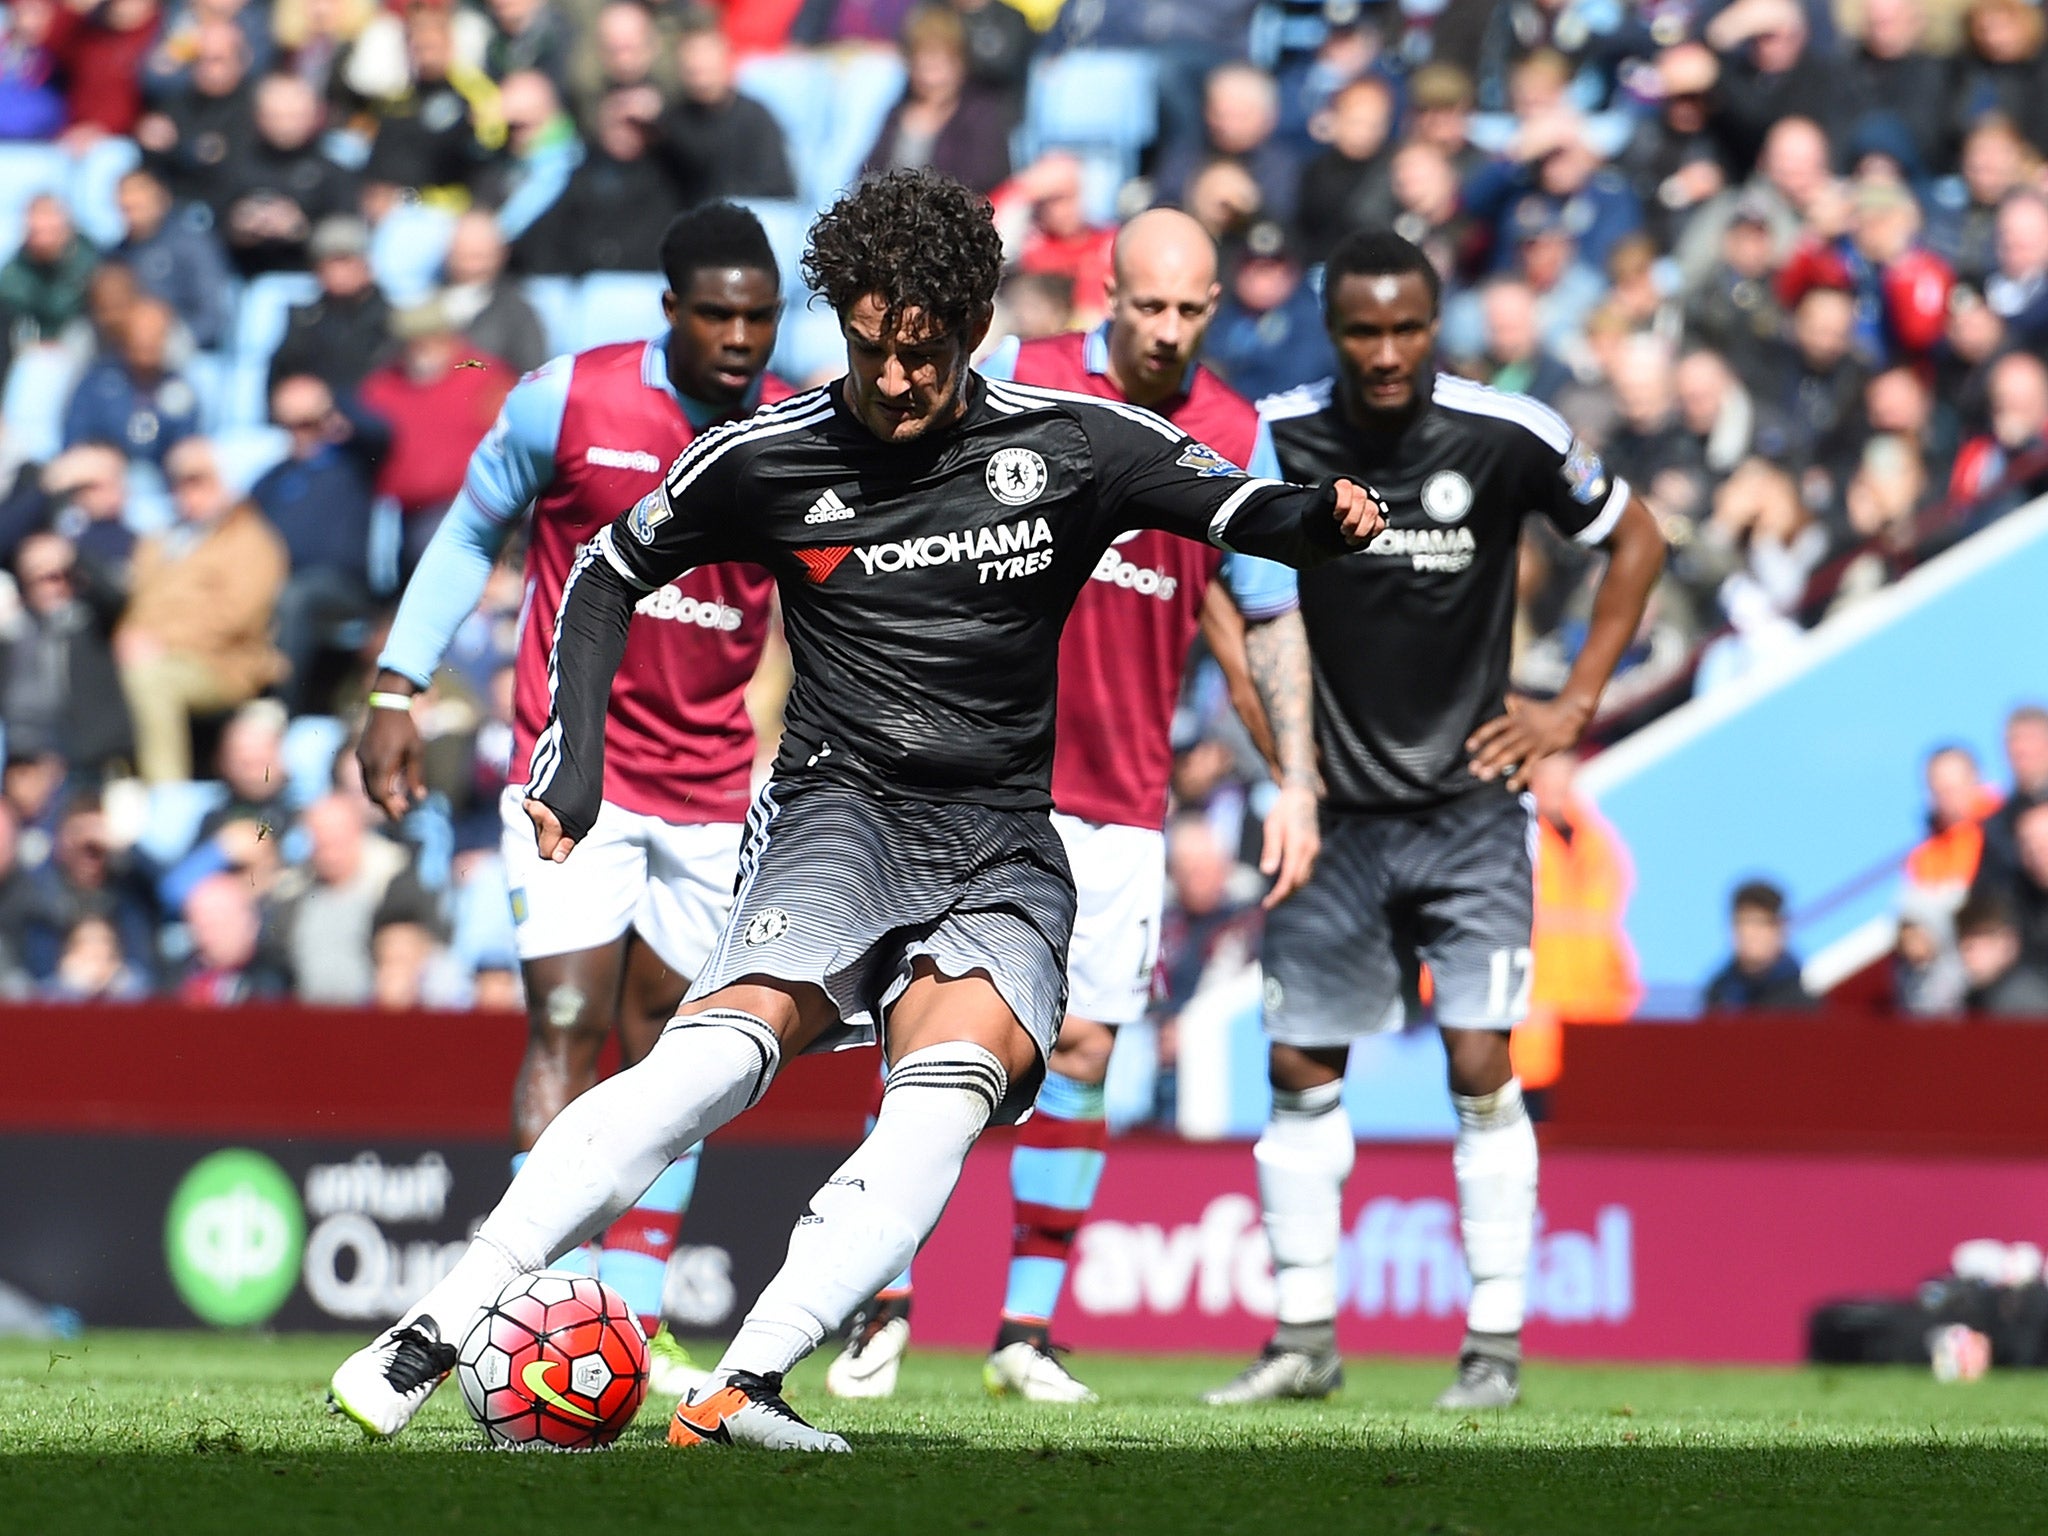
[1784, 263]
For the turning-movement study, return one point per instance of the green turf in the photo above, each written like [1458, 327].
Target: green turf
[170, 1433]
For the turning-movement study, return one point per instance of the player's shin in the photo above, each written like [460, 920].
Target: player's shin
[634, 1257]
[1495, 1162]
[865, 1224]
[1054, 1171]
[1303, 1159]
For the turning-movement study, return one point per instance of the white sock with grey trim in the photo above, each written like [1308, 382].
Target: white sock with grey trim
[1303, 1158]
[1495, 1162]
[862, 1228]
[604, 1149]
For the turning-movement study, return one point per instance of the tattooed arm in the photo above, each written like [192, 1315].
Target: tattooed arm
[1276, 655]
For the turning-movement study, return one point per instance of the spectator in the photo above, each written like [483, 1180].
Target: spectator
[1224, 200]
[1769, 72]
[1900, 289]
[943, 120]
[196, 636]
[1584, 969]
[1348, 186]
[1240, 119]
[1890, 73]
[1045, 230]
[2002, 69]
[1928, 979]
[1672, 162]
[225, 928]
[1515, 357]
[1962, 226]
[1427, 210]
[178, 42]
[62, 694]
[432, 137]
[1814, 383]
[1723, 419]
[99, 52]
[92, 969]
[1880, 508]
[1552, 163]
[1208, 938]
[410, 966]
[530, 34]
[1546, 258]
[624, 53]
[1760, 537]
[2009, 464]
[346, 331]
[134, 399]
[324, 910]
[1000, 43]
[2026, 756]
[618, 202]
[1652, 441]
[718, 143]
[1031, 305]
[2003, 983]
[1944, 864]
[200, 127]
[541, 146]
[320, 501]
[17, 906]
[173, 259]
[281, 185]
[436, 411]
[1793, 185]
[42, 287]
[31, 105]
[482, 304]
[89, 876]
[242, 833]
[1268, 335]
[1762, 975]
[87, 494]
[2018, 291]
[1440, 102]
[317, 39]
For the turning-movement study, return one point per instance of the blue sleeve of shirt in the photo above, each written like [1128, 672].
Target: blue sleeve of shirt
[1001, 364]
[512, 465]
[1262, 589]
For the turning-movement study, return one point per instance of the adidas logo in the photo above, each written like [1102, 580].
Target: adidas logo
[828, 508]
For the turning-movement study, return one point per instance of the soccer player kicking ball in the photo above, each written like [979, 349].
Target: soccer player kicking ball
[1121, 658]
[612, 940]
[1427, 839]
[901, 880]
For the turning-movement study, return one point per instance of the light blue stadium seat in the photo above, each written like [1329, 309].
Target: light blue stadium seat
[148, 508]
[309, 748]
[245, 453]
[407, 249]
[786, 221]
[259, 326]
[797, 88]
[245, 394]
[38, 389]
[810, 342]
[175, 811]
[27, 170]
[210, 375]
[1102, 97]
[92, 189]
[864, 88]
[618, 306]
[554, 300]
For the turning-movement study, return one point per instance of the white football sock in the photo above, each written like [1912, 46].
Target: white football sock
[1495, 1161]
[1304, 1158]
[604, 1149]
[863, 1227]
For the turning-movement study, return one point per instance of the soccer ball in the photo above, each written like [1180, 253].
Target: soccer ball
[557, 1362]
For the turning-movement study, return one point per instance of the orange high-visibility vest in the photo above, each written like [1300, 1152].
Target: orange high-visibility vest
[1585, 967]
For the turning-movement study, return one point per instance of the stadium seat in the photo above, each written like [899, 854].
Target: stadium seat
[618, 306]
[309, 748]
[148, 508]
[865, 88]
[1106, 98]
[245, 453]
[209, 374]
[175, 811]
[810, 342]
[92, 189]
[259, 326]
[38, 389]
[554, 300]
[407, 249]
[796, 88]
[245, 394]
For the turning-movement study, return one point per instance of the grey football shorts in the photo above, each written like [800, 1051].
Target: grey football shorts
[1452, 888]
[844, 890]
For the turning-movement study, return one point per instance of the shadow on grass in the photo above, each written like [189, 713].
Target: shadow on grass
[905, 1484]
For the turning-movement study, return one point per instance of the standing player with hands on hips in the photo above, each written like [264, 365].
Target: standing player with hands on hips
[1121, 658]
[613, 940]
[901, 882]
[1427, 839]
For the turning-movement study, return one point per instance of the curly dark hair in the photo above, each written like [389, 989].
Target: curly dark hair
[918, 239]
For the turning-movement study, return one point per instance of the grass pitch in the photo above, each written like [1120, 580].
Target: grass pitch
[176, 1433]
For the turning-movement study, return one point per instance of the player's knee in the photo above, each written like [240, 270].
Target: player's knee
[1082, 1051]
[1290, 1069]
[1478, 1061]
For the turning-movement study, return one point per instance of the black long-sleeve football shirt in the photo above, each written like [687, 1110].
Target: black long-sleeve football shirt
[924, 584]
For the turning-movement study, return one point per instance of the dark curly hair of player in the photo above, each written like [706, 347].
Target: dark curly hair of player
[918, 239]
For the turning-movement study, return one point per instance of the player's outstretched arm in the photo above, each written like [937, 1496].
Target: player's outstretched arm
[1276, 655]
[1532, 729]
